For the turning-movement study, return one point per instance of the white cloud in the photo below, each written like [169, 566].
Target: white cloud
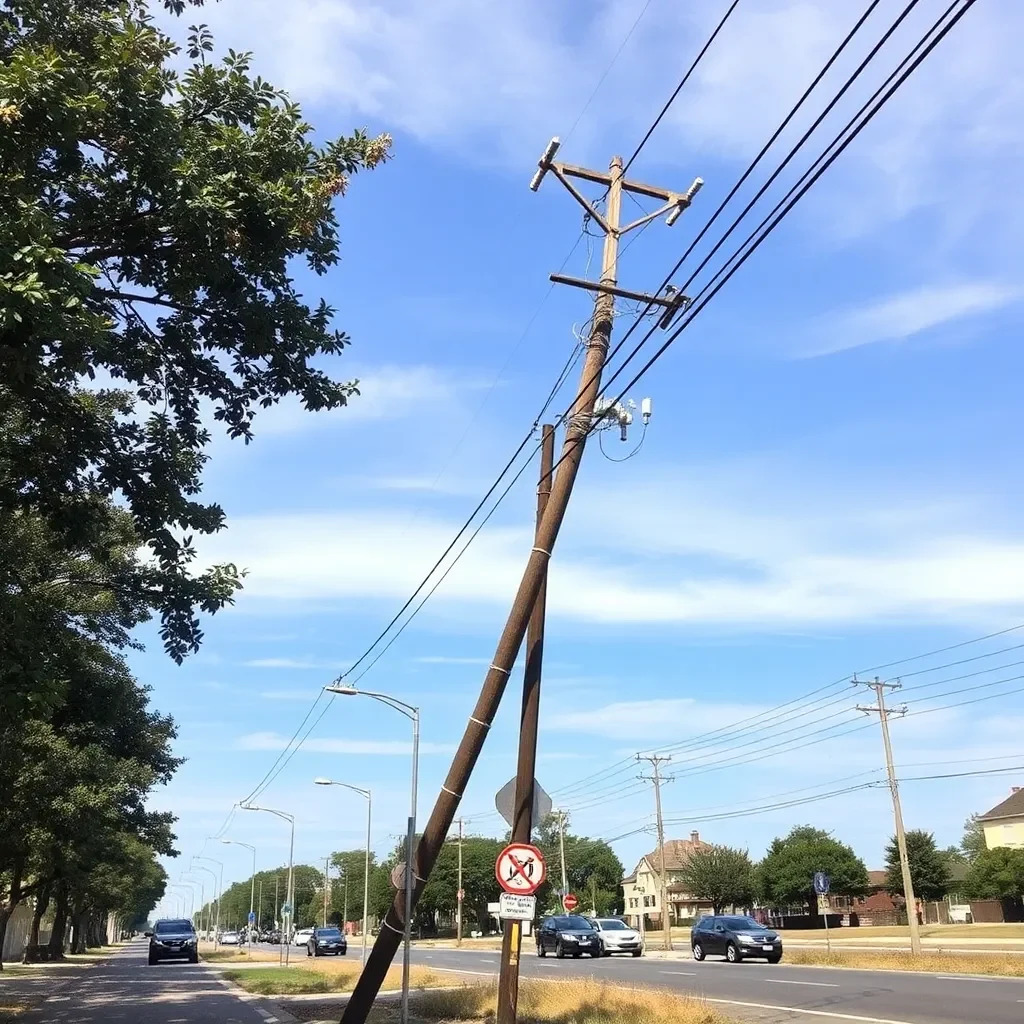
[443, 659]
[647, 720]
[293, 663]
[289, 695]
[327, 745]
[901, 316]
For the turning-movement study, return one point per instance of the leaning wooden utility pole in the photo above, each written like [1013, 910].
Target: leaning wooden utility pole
[526, 765]
[897, 810]
[578, 426]
[656, 778]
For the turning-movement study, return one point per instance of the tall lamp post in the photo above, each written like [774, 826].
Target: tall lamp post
[220, 892]
[290, 889]
[180, 896]
[216, 889]
[413, 714]
[252, 887]
[366, 869]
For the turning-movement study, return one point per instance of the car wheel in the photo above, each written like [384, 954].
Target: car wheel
[774, 958]
[732, 953]
[541, 951]
[698, 952]
[599, 952]
[308, 953]
[638, 952]
[194, 958]
[342, 952]
[152, 960]
[559, 951]
[577, 955]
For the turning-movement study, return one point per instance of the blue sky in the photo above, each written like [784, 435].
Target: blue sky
[830, 480]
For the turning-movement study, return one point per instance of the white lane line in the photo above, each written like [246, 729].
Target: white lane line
[783, 981]
[809, 1013]
[684, 974]
[483, 961]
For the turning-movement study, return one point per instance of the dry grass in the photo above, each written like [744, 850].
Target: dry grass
[937, 962]
[227, 956]
[562, 1002]
[321, 976]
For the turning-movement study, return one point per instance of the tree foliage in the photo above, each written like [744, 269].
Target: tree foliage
[593, 870]
[997, 874]
[720, 874]
[786, 875]
[929, 868]
[152, 220]
[973, 842]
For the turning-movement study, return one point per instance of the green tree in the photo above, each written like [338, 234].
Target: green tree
[440, 894]
[929, 869]
[973, 843]
[154, 211]
[786, 875]
[720, 874]
[997, 874]
[349, 867]
[593, 870]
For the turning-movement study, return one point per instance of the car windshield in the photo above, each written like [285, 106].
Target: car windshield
[611, 926]
[328, 933]
[171, 927]
[741, 924]
[579, 924]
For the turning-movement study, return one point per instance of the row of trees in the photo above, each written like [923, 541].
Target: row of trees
[151, 217]
[592, 868]
[728, 877]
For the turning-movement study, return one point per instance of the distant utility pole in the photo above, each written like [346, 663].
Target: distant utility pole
[656, 778]
[901, 838]
[459, 894]
[578, 426]
[327, 885]
[259, 912]
[561, 851]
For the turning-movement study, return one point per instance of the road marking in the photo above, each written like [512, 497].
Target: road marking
[809, 1013]
[483, 961]
[685, 974]
[783, 981]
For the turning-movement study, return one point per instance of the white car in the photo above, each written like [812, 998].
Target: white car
[229, 939]
[301, 937]
[618, 937]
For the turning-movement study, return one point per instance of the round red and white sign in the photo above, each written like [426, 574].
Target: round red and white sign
[520, 869]
[570, 902]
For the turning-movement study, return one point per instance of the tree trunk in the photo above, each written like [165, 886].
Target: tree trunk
[60, 922]
[79, 919]
[42, 905]
[8, 906]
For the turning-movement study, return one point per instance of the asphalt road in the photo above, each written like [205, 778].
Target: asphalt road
[126, 990]
[817, 994]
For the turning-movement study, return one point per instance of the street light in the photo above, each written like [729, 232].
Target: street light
[217, 890]
[366, 870]
[252, 887]
[413, 714]
[290, 891]
[191, 893]
[202, 897]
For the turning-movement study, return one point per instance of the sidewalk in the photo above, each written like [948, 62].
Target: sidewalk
[25, 986]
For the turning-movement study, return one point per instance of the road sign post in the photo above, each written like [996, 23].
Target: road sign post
[822, 884]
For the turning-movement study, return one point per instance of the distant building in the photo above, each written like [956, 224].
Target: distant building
[1004, 824]
[642, 889]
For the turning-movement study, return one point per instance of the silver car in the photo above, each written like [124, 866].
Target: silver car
[617, 937]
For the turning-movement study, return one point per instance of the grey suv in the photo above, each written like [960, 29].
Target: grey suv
[570, 935]
[736, 938]
[173, 939]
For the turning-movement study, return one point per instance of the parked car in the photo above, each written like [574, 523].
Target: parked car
[736, 938]
[230, 939]
[568, 935]
[173, 939]
[616, 936]
[301, 937]
[327, 942]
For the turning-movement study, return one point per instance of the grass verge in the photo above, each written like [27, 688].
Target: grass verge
[936, 963]
[308, 979]
[928, 931]
[582, 1002]
[227, 956]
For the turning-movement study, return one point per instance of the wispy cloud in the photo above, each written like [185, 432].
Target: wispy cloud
[902, 316]
[288, 695]
[293, 663]
[444, 659]
[327, 745]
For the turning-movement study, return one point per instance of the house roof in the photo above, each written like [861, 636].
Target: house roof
[1011, 807]
[677, 853]
[629, 879]
[876, 879]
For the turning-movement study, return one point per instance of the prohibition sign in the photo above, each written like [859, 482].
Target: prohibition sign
[520, 869]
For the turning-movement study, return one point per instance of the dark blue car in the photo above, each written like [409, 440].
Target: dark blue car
[736, 938]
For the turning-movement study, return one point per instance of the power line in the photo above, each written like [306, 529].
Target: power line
[682, 83]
